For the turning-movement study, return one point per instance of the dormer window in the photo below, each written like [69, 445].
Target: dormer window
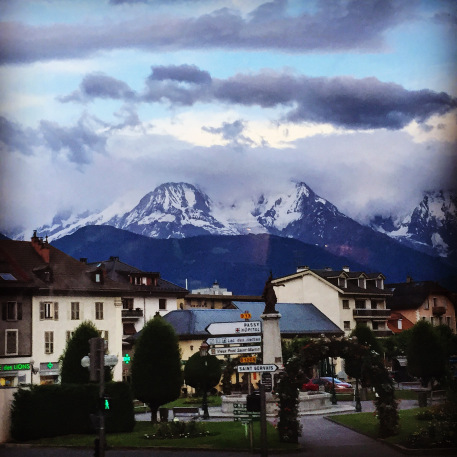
[98, 277]
[362, 283]
[342, 282]
[380, 283]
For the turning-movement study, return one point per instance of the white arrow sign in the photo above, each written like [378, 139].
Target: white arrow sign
[236, 350]
[235, 339]
[256, 368]
[234, 328]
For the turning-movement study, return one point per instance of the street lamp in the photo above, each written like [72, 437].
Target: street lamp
[333, 399]
[204, 353]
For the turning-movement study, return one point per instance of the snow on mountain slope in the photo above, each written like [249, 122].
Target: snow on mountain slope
[431, 226]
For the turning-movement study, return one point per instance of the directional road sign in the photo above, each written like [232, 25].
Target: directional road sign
[236, 350]
[234, 340]
[234, 328]
[256, 368]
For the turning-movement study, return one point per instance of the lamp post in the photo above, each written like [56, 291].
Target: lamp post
[204, 353]
[333, 399]
[33, 370]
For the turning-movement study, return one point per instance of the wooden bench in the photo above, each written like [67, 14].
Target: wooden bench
[193, 411]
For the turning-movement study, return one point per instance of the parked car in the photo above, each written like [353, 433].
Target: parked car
[325, 381]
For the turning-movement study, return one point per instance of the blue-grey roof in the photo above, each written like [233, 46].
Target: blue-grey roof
[296, 319]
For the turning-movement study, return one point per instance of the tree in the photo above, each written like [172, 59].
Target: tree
[77, 348]
[425, 354]
[156, 365]
[202, 373]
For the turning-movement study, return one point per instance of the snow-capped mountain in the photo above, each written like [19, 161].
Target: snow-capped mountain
[173, 210]
[181, 210]
[431, 227]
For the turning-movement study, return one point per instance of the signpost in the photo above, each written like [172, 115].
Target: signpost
[234, 339]
[234, 328]
[256, 368]
[236, 350]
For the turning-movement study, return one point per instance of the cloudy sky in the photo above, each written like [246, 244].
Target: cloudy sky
[101, 101]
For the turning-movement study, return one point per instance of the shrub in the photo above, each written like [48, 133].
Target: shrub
[177, 429]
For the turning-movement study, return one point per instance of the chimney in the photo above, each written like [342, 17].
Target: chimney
[302, 268]
[83, 259]
[346, 269]
[409, 279]
[41, 247]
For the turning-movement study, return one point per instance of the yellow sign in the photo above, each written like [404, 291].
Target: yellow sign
[252, 359]
[246, 315]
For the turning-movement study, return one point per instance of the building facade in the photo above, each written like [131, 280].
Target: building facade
[344, 296]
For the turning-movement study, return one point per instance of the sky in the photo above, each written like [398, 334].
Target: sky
[102, 101]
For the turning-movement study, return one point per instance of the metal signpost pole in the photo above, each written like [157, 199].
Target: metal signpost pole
[263, 422]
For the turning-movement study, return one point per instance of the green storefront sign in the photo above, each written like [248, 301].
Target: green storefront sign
[14, 367]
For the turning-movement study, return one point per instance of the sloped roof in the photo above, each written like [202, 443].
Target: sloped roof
[119, 271]
[411, 295]
[392, 322]
[20, 259]
[296, 319]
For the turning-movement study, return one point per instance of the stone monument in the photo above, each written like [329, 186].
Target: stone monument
[272, 352]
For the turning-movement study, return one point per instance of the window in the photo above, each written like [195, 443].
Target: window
[374, 304]
[98, 277]
[48, 342]
[7, 277]
[98, 310]
[345, 304]
[434, 301]
[162, 303]
[448, 321]
[342, 282]
[49, 310]
[347, 325]
[432, 321]
[12, 311]
[127, 303]
[75, 311]
[360, 304]
[11, 343]
[362, 283]
[426, 305]
[380, 283]
[69, 336]
[375, 325]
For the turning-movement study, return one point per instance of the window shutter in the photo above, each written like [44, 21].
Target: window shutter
[4, 310]
[42, 311]
[56, 311]
[19, 311]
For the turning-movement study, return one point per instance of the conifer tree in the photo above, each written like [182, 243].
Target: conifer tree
[156, 365]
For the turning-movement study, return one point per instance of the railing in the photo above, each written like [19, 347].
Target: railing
[438, 310]
[138, 312]
[373, 313]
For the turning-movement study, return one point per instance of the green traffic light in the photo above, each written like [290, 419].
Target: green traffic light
[106, 404]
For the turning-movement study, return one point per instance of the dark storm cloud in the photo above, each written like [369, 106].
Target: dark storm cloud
[181, 73]
[342, 101]
[78, 142]
[13, 137]
[98, 85]
[334, 26]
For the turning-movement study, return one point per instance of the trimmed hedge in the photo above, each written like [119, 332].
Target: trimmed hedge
[55, 410]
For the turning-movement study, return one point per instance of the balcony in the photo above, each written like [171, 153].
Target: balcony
[366, 313]
[438, 310]
[132, 313]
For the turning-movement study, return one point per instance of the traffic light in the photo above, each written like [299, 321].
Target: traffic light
[97, 358]
[104, 404]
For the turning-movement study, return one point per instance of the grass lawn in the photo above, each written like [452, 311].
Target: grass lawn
[368, 424]
[223, 435]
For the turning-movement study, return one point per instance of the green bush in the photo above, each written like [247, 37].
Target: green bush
[55, 410]
[177, 429]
